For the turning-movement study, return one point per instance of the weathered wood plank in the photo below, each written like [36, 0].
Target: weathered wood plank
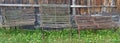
[34, 5]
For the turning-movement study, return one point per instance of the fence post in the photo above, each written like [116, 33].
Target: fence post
[73, 12]
[1, 20]
[37, 16]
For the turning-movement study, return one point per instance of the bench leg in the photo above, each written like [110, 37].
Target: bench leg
[78, 31]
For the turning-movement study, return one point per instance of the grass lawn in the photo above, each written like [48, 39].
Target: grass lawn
[61, 36]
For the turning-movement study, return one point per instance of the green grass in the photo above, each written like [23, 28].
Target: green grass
[58, 36]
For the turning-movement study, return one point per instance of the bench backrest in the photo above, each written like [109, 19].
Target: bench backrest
[104, 21]
[84, 20]
[101, 21]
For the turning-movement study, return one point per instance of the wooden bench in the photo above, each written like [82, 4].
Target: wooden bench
[104, 22]
[93, 22]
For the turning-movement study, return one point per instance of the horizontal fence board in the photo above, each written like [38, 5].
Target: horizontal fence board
[34, 5]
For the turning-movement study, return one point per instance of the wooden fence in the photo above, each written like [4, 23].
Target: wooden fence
[18, 11]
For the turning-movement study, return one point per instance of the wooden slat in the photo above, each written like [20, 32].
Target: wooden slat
[33, 5]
